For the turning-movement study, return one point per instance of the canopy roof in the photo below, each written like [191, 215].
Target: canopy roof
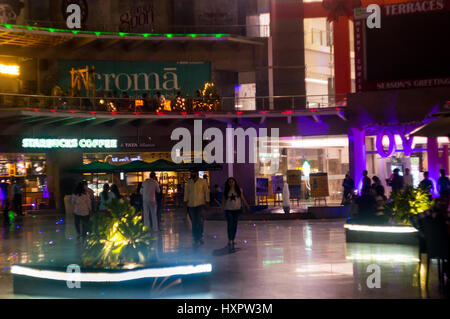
[436, 128]
[94, 167]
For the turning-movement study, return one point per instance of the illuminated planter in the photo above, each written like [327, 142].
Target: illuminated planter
[385, 234]
[150, 282]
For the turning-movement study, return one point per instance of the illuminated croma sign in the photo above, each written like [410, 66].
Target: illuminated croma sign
[68, 143]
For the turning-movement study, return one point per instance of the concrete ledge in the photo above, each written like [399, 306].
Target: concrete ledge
[329, 212]
[150, 282]
[383, 234]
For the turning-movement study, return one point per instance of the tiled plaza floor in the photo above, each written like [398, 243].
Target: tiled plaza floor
[275, 259]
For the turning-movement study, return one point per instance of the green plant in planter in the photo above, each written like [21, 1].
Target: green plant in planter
[407, 203]
[117, 238]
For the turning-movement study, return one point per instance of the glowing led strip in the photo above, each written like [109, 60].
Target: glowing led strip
[111, 277]
[381, 229]
[379, 257]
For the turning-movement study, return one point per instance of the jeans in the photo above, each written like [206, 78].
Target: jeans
[17, 203]
[150, 214]
[232, 221]
[196, 215]
[82, 224]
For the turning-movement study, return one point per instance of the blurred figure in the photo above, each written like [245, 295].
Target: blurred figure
[426, 184]
[160, 101]
[81, 210]
[217, 195]
[149, 189]
[349, 186]
[407, 178]
[159, 206]
[196, 195]
[443, 184]
[286, 199]
[380, 198]
[106, 196]
[115, 191]
[16, 190]
[91, 195]
[376, 182]
[396, 181]
[136, 199]
[366, 182]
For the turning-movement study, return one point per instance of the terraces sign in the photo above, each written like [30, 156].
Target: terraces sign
[137, 78]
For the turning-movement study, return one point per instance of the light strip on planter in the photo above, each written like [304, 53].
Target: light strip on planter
[381, 229]
[111, 277]
[381, 258]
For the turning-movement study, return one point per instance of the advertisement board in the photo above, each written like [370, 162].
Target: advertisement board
[262, 187]
[277, 184]
[319, 185]
[137, 78]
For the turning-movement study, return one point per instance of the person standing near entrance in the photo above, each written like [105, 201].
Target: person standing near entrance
[444, 185]
[407, 178]
[149, 189]
[426, 184]
[396, 181]
[196, 195]
[17, 197]
[366, 183]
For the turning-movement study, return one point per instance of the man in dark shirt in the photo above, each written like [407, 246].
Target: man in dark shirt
[444, 184]
[366, 182]
[397, 181]
[426, 184]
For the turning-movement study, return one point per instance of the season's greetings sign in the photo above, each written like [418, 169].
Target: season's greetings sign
[137, 78]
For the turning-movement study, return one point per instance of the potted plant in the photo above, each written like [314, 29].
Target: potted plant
[118, 238]
[407, 204]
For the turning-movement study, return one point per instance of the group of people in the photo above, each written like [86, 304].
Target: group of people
[148, 200]
[372, 199]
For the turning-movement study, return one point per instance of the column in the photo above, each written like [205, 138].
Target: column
[357, 154]
[433, 161]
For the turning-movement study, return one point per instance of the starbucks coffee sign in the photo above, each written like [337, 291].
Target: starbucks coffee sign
[51, 143]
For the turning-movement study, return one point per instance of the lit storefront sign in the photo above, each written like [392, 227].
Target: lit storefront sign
[68, 143]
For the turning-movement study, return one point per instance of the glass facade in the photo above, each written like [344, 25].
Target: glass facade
[314, 154]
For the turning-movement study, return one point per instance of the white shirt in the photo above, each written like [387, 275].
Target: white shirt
[104, 202]
[407, 180]
[81, 204]
[196, 193]
[233, 202]
[149, 189]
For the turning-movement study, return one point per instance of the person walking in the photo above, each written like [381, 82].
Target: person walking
[149, 189]
[233, 201]
[17, 197]
[196, 196]
[81, 209]
[106, 196]
[407, 178]
[443, 184]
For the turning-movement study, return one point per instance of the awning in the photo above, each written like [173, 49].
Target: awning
[94, 167]
[436, 128]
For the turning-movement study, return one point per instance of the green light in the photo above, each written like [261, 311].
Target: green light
[122, 34]
[146, 35]
[74, 32]
[169, 36]
[98, 33]
[51, 30]
[219, 35]
[8, 26]
[193, 35]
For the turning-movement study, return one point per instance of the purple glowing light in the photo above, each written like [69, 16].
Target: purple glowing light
[391, 148]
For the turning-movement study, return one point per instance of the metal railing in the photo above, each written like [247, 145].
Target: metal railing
[183, 104]
[250, 30]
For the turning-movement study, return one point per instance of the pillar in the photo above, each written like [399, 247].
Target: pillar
[357, 154]
[342, 71]
[60, 180]
[433, 161]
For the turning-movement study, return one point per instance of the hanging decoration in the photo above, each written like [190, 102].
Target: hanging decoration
[339, 8]
[207, 98]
